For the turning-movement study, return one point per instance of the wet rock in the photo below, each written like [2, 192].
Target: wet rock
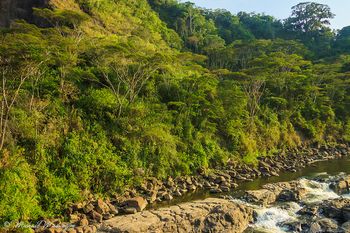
[291, 195]
[334, 209]
[261, 197]
[324, 225]
[293, 226]
[309, 211]
[139, 203]
[345, 227]
[341, 186]
[215, 190]
[345, 213]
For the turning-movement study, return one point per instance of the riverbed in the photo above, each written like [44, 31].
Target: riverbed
[326, 168]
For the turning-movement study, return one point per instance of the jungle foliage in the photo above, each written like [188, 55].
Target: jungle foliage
[100, 94]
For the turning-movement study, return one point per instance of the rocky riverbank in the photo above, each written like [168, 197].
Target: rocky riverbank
[88, 216]
[312, 206]
[210, 215]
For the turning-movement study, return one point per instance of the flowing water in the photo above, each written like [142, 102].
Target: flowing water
[325, 168]
[269, 219]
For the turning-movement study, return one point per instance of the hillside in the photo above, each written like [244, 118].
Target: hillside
[97, 95]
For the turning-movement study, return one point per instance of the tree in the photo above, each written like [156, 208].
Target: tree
[17, 67]
[309, 17]
[342, 40]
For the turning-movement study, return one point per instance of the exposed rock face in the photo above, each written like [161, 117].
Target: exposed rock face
[341, 186]
[261, 197]
[17, 9]
[139, 203]
[210, 215]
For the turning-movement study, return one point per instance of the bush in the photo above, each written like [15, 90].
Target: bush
[89, 161]
[19, 199]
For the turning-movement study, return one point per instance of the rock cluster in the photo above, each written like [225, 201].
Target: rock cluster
[328, 216]
[321, 216]
[90, 214]
[210, 215]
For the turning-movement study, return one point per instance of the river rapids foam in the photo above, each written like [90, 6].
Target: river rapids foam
[270, 219]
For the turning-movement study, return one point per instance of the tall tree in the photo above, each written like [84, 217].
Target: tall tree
[309, 16]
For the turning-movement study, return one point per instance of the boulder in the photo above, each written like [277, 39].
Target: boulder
[130, 210]
[342, 185]
[210, 215]
[345, 213]
[102, 207]
[326, 225]
[345, 227]
[88, 208]
[96, 216]
[83, 222]
[139, 203]
[262, 197]
[291, 195]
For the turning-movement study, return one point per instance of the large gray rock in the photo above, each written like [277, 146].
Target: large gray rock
[261, 197]
[210, 215]
[342, 185]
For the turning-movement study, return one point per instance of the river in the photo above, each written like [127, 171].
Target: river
[270, 219]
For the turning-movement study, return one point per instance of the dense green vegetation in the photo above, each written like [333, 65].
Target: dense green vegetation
[99, 94]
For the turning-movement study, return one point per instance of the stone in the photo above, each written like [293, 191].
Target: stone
[342, 185]
[71, 230]
[139, 203]
[346, 227]
[177, 193]
[328, 225]
[50, 230]
[346, 213]
[191, 187]
[87, 229]
[262, 197]
[79, 229]
[88, 208]
[107, 216]
[93, 229]
[112, 208]
[102, 207]
[315, 228]
[209, 215]
[188, 180]
[225, 188]
[130, 210]
[220, 179]
[83, 222]
[96, 216]
[291, 195]
[74, 218]
[215, 190]
[152, 196]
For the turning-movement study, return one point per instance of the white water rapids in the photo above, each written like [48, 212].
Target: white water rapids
[269, 219]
